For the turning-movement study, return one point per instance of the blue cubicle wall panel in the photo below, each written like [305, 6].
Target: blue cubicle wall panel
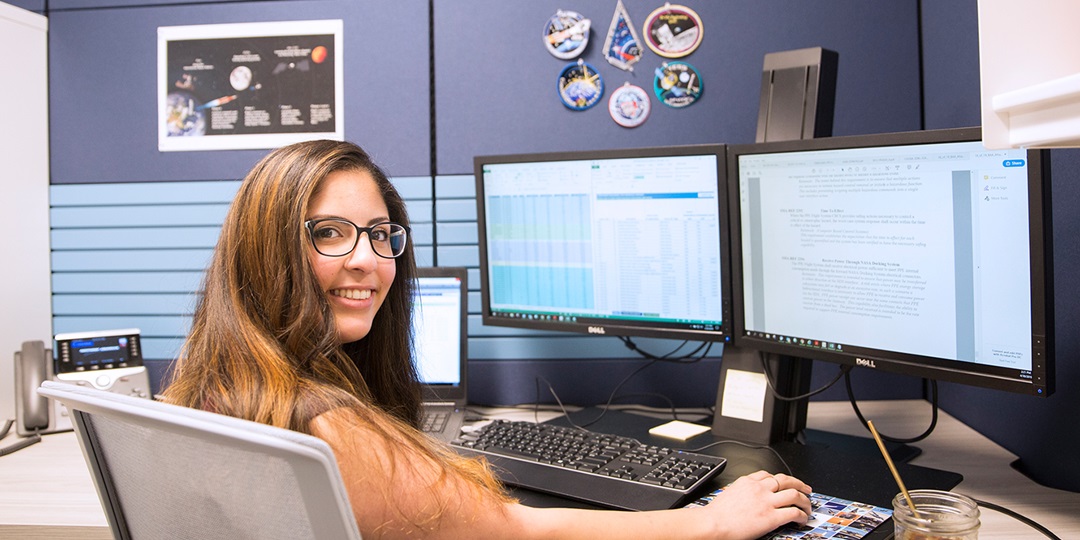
[103, 81]
[951, 96]
[494, 92]
[37, 6]
[132, 255]
[1041, 432]
[57, 5]
[496, 82]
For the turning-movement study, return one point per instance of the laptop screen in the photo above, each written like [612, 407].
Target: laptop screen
[439, 318]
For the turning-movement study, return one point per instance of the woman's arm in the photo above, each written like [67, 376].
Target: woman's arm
[746, 509]
[398, 490]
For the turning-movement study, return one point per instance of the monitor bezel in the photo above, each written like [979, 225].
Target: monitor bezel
[1041, 268]
[612, 327]
[448, 391]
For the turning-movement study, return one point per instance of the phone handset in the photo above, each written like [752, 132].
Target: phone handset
[31, 369]
[34, 413]
[32, 366]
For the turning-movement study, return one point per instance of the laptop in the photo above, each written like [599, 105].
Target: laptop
[440, 344]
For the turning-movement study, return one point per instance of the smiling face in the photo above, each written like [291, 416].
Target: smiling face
[356, 285]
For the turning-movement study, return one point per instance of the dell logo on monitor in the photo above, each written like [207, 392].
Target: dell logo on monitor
[865, 363]
[596, 330]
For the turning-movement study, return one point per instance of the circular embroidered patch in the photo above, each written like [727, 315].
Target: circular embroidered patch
[677, 84]
[673, 31]
[566, 34]
[629, 105]
[580, 86]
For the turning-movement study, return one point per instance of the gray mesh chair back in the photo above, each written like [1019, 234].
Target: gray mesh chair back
[164, 471]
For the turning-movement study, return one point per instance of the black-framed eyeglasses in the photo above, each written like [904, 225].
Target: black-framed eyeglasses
[336, 237]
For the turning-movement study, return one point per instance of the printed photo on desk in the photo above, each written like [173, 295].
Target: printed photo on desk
[833, 518]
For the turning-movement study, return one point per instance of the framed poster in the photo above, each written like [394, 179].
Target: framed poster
[249, 85]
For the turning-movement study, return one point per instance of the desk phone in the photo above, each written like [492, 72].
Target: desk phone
[108, 360]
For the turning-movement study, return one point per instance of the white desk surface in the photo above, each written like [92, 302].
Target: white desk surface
[953, 446]
[46, 490]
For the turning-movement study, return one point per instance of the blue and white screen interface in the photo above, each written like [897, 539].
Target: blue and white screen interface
[631, 239]
[919, 249]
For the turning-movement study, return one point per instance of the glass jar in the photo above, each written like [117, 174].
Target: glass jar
[943, 515]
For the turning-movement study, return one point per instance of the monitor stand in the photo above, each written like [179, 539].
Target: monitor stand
[747, 411]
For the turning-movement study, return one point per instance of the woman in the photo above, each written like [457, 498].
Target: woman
[304, 324]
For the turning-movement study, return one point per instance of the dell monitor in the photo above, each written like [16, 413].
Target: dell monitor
[919, 253]
[629, 242]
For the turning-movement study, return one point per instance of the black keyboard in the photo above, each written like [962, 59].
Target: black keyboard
[606, 470]
[434, 422]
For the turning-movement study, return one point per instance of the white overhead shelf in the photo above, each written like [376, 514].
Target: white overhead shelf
[1029, 61]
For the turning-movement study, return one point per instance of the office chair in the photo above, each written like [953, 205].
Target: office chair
[164, 471]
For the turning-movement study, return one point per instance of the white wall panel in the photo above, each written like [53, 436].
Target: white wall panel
[24, 190]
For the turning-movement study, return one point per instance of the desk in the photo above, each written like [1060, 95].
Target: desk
[953, 446]
[46, 490]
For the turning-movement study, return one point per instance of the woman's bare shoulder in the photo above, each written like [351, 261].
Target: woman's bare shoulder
[341, 424]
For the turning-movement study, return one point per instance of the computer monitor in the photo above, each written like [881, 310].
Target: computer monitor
[629, 242]
[920, 253]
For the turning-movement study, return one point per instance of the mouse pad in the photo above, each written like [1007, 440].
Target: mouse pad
[832, 517]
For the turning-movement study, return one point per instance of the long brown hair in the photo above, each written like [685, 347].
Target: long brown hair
[263, 344]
